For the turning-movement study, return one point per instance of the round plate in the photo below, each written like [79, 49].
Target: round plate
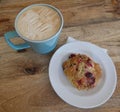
[82, 98]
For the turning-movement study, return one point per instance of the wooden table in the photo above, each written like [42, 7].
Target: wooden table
[24, 81]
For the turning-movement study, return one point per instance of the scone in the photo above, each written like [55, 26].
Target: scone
[82, 71]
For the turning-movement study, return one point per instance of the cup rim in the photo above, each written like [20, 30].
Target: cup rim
[26, 8]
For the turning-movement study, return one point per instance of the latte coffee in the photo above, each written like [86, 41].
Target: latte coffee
[38, 23]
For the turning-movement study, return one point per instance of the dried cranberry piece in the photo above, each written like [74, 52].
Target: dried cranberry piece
[91, 80]
[88, 59]
[72, 55]
[88, 75]
[79, 60]
[76, 69]
[89, 62]
[79, 82]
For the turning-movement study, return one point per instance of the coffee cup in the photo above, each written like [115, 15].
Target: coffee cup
[39, 25]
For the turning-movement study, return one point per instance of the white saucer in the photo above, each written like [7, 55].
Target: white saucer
[86, 98]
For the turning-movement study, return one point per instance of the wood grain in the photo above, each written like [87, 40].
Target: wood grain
[24, 81]
[22, 91]
[77, 12]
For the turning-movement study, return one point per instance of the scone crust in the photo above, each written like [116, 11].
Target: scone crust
[82, 71]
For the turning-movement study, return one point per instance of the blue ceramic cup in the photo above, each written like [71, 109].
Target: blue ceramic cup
[40, 46]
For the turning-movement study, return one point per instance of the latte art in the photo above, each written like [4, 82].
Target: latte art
[38, 23]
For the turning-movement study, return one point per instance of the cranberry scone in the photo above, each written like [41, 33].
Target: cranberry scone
[82, 71]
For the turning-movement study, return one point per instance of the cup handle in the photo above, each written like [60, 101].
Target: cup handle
[13, 34]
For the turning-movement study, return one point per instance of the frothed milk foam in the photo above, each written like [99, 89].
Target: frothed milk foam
[38, 23]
